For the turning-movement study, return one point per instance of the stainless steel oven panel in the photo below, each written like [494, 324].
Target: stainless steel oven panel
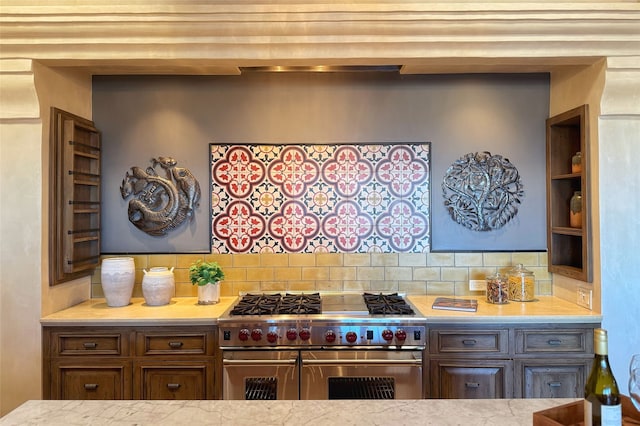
[318, 368]
[249, 375]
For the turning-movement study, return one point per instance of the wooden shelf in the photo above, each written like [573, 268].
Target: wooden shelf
[75, 197]
[569, 248]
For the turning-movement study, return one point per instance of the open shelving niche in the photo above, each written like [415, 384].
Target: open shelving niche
[569, 248]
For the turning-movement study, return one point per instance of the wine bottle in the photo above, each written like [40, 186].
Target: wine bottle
[602, 405]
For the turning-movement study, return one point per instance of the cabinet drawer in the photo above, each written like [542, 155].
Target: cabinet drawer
[85, 380]
[155, 343]
[551, 341]
[87, 344]
[173, 380]
[446, 341]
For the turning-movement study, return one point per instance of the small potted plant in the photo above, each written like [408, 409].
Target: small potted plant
[207, 276]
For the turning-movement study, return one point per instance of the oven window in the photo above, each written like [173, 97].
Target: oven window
[260, 388]
[361, 388]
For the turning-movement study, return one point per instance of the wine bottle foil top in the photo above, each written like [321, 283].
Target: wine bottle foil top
[600, 341]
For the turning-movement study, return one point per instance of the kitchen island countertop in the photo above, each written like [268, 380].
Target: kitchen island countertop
[441, 412]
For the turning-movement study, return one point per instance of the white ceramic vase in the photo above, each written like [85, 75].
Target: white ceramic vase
[117, 275]
[209, 293]
[158, 286]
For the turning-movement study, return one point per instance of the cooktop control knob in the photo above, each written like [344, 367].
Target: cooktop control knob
[305, 334]
[387, 335]
[292, 334]
[401, 335]
[243, 335]
[330, 336]
[256, 334]
[272, 337]
[351, 337]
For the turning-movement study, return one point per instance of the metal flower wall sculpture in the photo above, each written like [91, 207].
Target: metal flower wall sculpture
[160, 204]
[482, 191]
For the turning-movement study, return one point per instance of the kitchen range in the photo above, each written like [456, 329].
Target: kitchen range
[322, 346]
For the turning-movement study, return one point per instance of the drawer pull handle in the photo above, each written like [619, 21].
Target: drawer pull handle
[90, 386]
[90, 345]
[554, 342]
[555, 384]
[469, 342]
[175, 345]
[173, 386]
[472, 385]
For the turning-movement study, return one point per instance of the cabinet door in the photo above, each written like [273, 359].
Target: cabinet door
[174, 380]
[91, 380]
[550, 378]
[470, 379]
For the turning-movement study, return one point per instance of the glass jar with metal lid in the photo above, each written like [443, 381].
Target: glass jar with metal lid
[498, 289]
[521, 284]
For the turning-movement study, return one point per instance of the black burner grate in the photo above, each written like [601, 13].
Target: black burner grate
[387, 304]
[268, 304]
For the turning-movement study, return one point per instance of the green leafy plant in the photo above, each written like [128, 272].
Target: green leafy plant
[202, 273]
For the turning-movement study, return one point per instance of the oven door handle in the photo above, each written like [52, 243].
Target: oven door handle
[291, 361]
[417, 362]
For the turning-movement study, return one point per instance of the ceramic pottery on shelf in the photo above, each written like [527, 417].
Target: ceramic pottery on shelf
[209, 293]
[117, 275]
[158, 286]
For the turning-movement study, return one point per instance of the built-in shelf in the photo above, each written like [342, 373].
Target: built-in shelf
[75, 197]
[569, 248]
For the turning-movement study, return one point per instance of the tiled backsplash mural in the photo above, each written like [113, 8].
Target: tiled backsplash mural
[358, 198]
[411, 273]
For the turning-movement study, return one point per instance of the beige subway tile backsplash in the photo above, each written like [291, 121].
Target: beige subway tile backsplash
[412, 273]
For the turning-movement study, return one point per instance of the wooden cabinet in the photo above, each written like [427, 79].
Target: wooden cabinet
[569, 247]
[510, 361]
[462, 378]
[552, 363]
[469, 362]
[174, 364]
[74, 185]
[129, 363]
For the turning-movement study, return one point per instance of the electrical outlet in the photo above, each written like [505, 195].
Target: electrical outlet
[477, 285]
[585, 297]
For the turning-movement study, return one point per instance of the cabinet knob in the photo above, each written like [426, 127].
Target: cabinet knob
[90, 386]
[472, 385]
[469, 342]
[175, 345]
[173, 386]
[90, 345]
[554, 342]
[555, 384]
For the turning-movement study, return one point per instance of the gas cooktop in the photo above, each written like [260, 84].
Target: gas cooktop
[321, 320]
[315, 303]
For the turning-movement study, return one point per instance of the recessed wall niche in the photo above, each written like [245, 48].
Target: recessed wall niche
[183, 115]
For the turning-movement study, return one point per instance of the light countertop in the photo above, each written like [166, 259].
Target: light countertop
[543, 309]
[180, 311]
[441, 412]
[186, 311]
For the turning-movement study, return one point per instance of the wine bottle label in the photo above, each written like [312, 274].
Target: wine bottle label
[611, 415]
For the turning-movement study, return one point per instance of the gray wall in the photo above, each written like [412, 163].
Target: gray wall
[146, 116]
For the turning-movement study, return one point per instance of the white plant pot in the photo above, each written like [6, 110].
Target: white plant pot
[209, 294]
[117, 275]
[158, 286]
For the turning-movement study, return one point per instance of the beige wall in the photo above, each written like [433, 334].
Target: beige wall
[571, 88]
[25, 292]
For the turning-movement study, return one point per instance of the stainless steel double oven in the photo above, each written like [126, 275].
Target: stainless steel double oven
[342, 351]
